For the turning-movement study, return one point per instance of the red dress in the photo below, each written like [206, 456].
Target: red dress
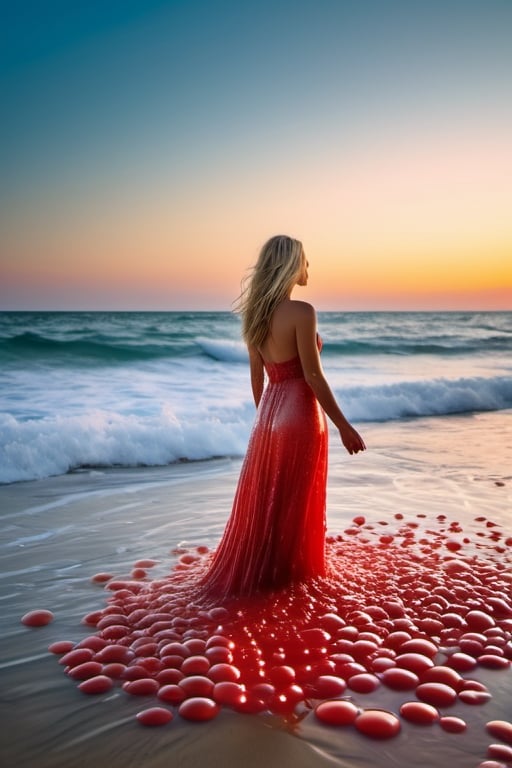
[276, 532]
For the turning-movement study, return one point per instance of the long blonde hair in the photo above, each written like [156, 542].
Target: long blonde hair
[278, 268]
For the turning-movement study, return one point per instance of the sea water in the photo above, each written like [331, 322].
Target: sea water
[126, 389]
[432, 396]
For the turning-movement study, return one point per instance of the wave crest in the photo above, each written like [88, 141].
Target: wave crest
[35, 448]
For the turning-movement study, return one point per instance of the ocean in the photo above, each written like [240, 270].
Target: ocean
[130, 389]
[131, 428]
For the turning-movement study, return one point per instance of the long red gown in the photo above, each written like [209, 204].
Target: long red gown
[276, 532]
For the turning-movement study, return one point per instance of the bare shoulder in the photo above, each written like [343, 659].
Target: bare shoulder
[302, 307]
[303, 312]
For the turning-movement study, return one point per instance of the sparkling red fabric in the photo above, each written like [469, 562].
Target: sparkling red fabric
[276, 532]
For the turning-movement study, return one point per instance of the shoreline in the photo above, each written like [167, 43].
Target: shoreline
[58, 532]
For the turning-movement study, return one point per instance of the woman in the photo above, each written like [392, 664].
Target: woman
[276, 533]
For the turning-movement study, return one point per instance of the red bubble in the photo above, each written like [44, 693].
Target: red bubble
[61, 646]
[499, 606]
[361, 649]
[349, 668]
[93, 642]
[112, 619]
[394, 609]
[441, 674]
[430, 626]
[223, 673]
[473, 685]
[420, 646]
[336, 712]
[196, 646]
[152, 664]
[86, 670]
[331, 622]
[493, 662]
[474, 697]
[197, 685]
[134, 672]
[96, 685]
[315, 637]
[438, 694]
[92, 618]
[76, 657]
[282, 675]
[219, 614]
[293, 693]
[218, 654]
[500, 752]
[419, 712]
[263, 691]
[154, 716]
[228, 693]
[195, 665]
[118, 653]
[37, 618]
[172, 693]
[378, 724]
[452, 724]
[101, 578]
[114, 670]
[479, 621]
[347, 633]
[173, 676]
[471, 647]
[461, 662]
[326, 686]
[501, 729]
[144, 686]
[198, 709]
[381, 663]
[250, 704]
[414, 662]
[115, 632]
[396, 639]
[216, 640]
[145, 650]
[399, 679]
[363, 682]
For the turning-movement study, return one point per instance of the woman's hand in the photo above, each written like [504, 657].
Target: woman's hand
[351, 439]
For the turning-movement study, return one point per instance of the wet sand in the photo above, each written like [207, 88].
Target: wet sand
[57, 533]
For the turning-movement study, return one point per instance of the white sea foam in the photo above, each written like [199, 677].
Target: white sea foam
[227, 351]
[436, 397]
[134, 389]
[40, 448]
[201, 429]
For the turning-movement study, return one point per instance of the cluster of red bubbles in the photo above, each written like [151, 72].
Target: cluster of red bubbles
[417, 611]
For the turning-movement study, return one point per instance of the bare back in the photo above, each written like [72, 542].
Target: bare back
[281, 342]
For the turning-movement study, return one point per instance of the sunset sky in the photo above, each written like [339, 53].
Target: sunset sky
[149, 148]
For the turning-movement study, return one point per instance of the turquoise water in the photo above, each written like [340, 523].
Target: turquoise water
[130, 389]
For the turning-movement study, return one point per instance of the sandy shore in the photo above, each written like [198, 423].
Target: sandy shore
[57, 533]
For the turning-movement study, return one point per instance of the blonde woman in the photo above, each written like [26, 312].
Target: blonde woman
[276, 532]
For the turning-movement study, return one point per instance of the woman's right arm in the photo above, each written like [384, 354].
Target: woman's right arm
[306, 333]
[257, 375]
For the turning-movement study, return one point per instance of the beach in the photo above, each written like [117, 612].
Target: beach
[58, 532]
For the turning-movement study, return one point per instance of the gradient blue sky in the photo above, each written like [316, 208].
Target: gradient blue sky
[149, 148]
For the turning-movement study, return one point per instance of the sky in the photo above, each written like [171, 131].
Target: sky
[149, 148]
